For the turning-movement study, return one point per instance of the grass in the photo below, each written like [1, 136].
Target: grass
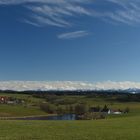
[19, 110]
[108, 129]
[115, 127]
[30, 108]
[28, 98]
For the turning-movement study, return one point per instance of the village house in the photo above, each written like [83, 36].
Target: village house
[4, 99]
[10, 100]
[105, 110]
[116, 112]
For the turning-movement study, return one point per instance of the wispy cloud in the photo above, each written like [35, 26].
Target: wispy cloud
[73, 35]
[126, 12]
[41, 1]
[52, 12]
[30, 22]
[57, 13]
[60, 13]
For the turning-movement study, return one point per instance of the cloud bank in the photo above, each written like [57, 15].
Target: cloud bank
[66, 85]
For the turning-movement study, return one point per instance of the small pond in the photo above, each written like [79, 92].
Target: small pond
[58, 117]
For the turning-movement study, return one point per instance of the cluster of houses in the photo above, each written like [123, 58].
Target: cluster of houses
[107, 110]
[10, 100]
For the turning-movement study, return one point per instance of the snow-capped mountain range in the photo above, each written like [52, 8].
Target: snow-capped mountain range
[69, 85]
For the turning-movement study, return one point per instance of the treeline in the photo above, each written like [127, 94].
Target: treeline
[120, 97]
[78, 109]
[108, 95]
[123, 97]
[82, 111]
[69, 92]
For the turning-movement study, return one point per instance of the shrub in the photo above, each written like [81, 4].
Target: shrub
[49, 108]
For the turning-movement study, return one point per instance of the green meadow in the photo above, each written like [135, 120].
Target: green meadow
[113, 127]
[107, 129]
[31, 107]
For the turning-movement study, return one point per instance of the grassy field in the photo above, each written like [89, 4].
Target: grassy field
[108, 129]
[19, 111]
[31, 106]
[114, 127]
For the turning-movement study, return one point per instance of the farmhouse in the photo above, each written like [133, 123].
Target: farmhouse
[4, 99]
[106, 110]
[116, 112]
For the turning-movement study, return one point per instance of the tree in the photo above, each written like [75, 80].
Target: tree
[105, 109]
[49, 108]
[126, 110]
[81, 109]
[60, 110]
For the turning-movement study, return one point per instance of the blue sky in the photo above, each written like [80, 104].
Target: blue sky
[70, 40]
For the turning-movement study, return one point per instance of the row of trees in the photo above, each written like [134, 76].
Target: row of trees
[68, 109]
[82, 111]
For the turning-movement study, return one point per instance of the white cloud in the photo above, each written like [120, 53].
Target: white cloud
[51, 12]
[31, 23]
[127, 12]
[29, 1]
[42, 21]
[41, 1]
[72, 35]
[60, 13]
[67, 85]
[57, 13]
